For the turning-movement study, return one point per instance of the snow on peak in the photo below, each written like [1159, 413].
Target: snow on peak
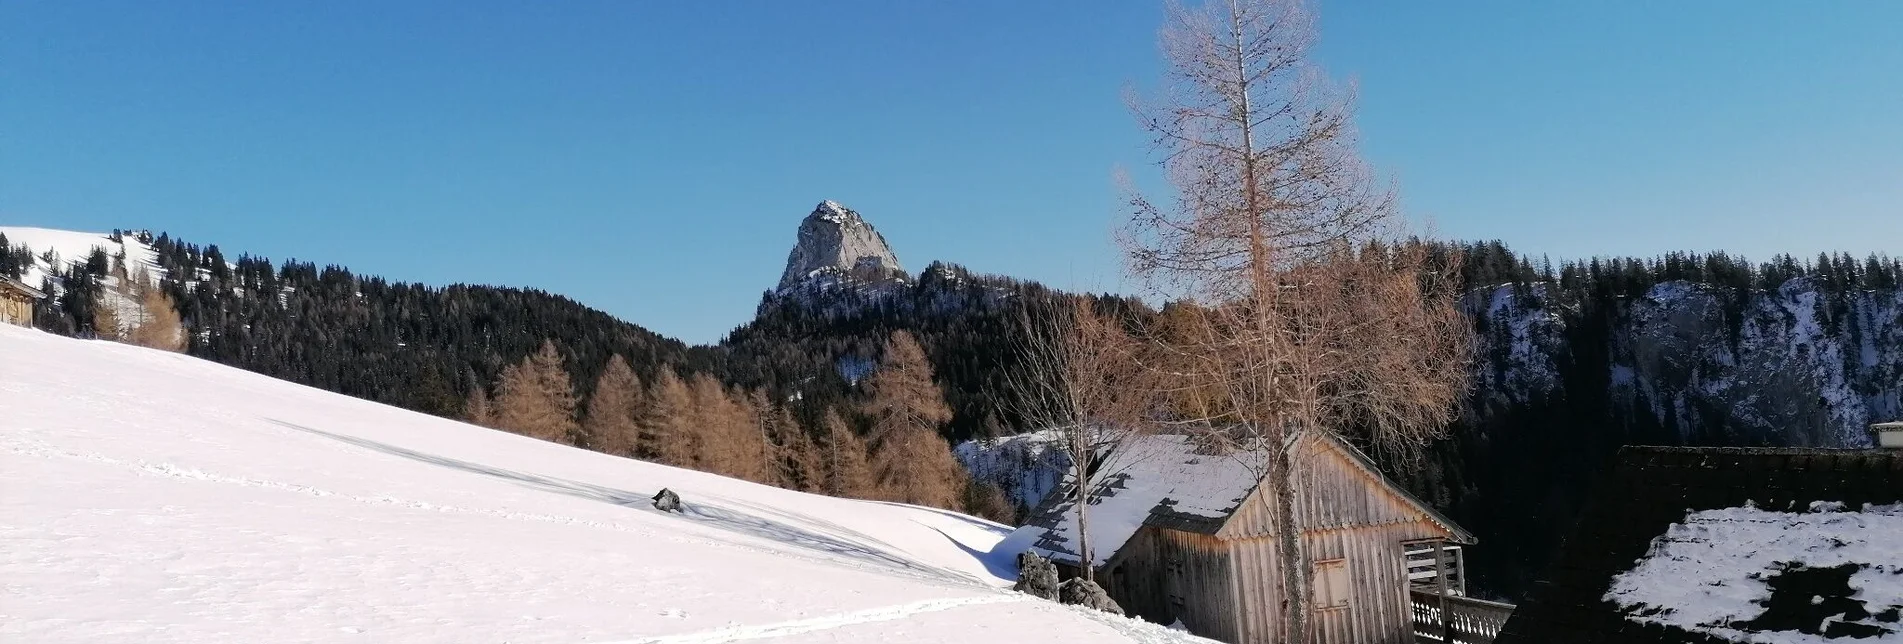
[834, 241]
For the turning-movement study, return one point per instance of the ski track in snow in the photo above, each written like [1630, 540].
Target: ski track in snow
[828, 622]
[42, 449]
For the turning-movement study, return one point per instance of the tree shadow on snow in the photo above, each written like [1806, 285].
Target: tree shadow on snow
[1000, 565]
[720, 517]
[981, 524]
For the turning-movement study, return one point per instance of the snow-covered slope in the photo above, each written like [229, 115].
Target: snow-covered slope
[153, 497]
[70, 246]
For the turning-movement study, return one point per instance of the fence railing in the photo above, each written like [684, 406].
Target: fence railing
[1465, 621]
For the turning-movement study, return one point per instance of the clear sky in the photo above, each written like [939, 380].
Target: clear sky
[654, 159]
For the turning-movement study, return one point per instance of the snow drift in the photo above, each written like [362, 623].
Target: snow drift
[154, 497]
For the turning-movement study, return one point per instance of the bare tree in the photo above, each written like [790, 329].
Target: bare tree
[1296, 309]
[911, 462]
[536, 399]
[613, 409]
[156, 323]
[844, 469]
[1078, 379]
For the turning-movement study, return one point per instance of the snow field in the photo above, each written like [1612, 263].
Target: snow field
[154, 497]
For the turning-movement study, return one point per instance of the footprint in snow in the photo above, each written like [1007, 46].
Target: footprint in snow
[675, 613]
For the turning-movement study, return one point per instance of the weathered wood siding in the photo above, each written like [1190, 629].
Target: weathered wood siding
[1345, 514]
[1166, 575]
[15, 309]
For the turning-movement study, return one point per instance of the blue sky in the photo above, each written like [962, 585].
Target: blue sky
[654, 159]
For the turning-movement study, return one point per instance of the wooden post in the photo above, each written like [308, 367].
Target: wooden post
[1440, 588]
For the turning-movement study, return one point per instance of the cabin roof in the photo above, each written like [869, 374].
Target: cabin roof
[1168, 481]
[1728, 544]
[8, 283]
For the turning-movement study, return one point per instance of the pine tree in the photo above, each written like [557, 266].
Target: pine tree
[844, 469]
[911, 462]
[535, 397]
[613, 410]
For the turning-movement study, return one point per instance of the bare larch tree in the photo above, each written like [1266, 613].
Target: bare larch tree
[1296, 307]
[1078, 380]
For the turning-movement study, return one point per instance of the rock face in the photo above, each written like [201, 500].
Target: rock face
[1036, 576]
[1088, 594]
[835, 243]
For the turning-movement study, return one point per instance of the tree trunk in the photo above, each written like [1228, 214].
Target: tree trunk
[1081, 463]
[1295, 594]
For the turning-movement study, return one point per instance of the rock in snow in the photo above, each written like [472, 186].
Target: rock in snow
[1036, 576]
[667, 501]
[835, 242]
[1086, 593]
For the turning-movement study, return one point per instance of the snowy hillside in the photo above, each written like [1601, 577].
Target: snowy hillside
[154, 497]
[69, 247]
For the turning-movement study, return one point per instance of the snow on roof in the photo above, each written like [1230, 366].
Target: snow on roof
[16, 284]
[1157, 479]
[1722, 572]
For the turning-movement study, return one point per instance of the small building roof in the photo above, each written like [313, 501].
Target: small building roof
[1728, 544]
[8, 283]
[1169, 481]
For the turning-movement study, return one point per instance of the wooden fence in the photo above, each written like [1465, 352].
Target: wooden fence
[1465, 621]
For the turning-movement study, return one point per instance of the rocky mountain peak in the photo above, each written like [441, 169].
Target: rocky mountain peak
[835, 242]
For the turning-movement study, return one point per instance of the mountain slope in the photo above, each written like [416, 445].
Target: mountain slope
[155, 497]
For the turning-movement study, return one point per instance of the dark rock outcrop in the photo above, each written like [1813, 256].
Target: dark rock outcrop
[667, 501]
[1088, 594]
[1037, 576]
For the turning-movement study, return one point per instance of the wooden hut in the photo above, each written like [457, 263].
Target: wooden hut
[1180, 533]
[16, 302]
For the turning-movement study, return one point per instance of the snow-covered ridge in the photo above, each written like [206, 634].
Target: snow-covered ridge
[155, 497]
[73, 247]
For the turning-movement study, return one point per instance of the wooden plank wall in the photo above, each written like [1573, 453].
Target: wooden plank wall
[1231, 586]
[15, 310]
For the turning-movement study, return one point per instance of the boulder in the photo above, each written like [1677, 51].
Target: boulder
[1037, 576]
[667, 501]
[1088, 594]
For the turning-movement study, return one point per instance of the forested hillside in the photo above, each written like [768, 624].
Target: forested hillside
[1573, 360]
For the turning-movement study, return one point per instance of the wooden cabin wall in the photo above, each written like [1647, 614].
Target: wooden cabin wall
[1346, 514]
[16, 311]
[1378, 611]
[1334, 492]
[1158, 567]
